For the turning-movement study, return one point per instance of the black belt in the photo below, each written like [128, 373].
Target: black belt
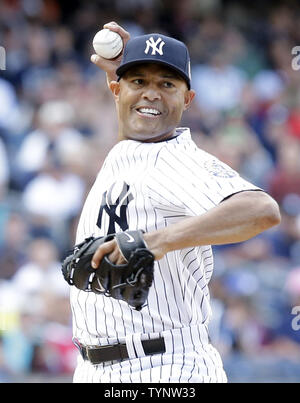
[118, 352]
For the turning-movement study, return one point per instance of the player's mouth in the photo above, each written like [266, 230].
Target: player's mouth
[148, 112]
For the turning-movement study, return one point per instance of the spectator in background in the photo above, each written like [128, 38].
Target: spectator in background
[63, 46]
[13, 244]
[285, 177]
[242, 327]
[18, 343]
[4, 372]
[42, 327]
[293, 121]
[54, 133]
[4, 170]
[218, 84]
[53, 199]
[39, 70]
[40, 274]
[9, 108]
[236, 144]
[285, 242]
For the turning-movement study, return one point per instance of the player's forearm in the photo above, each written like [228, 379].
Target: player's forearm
[237, 219]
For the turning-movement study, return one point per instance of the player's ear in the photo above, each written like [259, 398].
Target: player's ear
[115, 88]
[188, 98]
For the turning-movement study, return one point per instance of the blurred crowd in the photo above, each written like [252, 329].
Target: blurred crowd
[58, 121]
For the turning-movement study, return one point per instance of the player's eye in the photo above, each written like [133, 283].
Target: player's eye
[168, 84]
[138, 81]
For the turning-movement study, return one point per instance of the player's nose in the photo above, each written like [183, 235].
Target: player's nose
[151, 93]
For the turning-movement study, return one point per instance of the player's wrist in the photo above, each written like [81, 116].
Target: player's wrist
[156, 242]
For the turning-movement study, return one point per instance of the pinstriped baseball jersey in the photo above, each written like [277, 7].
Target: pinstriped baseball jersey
[149, 186]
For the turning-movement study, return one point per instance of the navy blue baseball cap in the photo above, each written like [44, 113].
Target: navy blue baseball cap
[157, 48]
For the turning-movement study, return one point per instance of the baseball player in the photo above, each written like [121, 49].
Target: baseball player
[157, 180]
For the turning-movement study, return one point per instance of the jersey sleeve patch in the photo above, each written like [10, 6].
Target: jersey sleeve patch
[219, 169]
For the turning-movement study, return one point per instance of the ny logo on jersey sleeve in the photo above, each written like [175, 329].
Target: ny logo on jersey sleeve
[115, 203]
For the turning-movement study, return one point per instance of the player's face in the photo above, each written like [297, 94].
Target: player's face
[150, 100]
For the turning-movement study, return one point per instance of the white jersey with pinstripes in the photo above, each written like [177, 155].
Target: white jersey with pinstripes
[149, 186]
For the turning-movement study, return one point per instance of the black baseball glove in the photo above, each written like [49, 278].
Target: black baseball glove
[129, 282]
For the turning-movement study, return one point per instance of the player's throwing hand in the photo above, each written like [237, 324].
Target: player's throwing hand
[110, 66]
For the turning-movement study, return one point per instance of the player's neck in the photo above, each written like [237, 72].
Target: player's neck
[154, 139]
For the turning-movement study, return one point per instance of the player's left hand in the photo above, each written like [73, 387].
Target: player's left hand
[129, 281]
[153, 240]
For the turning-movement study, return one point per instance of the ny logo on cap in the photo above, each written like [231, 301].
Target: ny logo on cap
[153, 44]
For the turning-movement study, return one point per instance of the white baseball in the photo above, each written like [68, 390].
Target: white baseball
[107, 43]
